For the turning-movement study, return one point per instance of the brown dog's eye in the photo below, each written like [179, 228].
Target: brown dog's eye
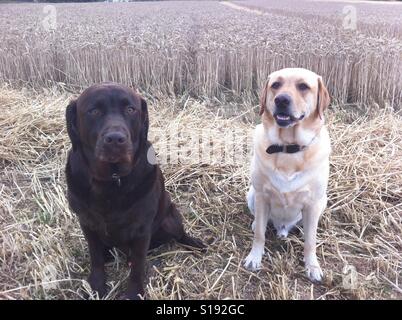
[276, 85]
[94, 112]
[130, 110]
[303, 86]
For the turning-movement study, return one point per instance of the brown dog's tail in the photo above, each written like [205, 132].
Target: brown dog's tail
[191, 242]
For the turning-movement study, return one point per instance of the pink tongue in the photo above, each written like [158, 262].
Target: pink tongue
[283, 117]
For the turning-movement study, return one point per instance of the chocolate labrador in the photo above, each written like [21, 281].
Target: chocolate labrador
[117, 194]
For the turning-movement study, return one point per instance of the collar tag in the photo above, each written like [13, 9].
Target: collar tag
[116, 178]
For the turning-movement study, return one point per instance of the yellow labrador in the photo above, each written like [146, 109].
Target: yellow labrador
[290, 164]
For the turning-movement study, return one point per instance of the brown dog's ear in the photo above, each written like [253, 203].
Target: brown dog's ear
[145, 119]
[71, 119]
[263, 98]
[323, 99]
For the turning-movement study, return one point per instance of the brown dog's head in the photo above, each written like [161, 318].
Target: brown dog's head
[109, 123]
[293, 94]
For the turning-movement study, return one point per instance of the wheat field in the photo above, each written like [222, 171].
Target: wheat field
[198, 48]
[200, 66]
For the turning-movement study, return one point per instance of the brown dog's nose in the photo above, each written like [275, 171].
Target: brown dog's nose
[282, 101]
[114, 138]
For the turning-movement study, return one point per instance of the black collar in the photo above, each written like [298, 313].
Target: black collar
[287, 148]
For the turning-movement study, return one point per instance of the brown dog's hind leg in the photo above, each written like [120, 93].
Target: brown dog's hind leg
[172, 228]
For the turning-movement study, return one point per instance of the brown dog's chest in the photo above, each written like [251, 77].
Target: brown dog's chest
[122, 225]
[117, 220]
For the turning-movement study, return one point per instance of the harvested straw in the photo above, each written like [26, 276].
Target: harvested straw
[43, 253]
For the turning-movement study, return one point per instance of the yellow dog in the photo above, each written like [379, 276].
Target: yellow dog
[290, 164]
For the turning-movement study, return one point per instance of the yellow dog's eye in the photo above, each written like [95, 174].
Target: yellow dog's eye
[303, 86]
[276, 85]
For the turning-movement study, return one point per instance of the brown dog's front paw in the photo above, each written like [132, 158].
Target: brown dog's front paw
[129, 296]
[133, 293]
[97, 281]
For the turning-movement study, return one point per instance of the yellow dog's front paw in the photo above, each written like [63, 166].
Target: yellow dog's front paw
[314, 272]
[253, 260]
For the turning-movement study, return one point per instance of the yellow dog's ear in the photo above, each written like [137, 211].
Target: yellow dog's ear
[323, 99]
[263, 98]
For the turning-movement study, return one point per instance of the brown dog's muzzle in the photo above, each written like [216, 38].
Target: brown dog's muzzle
[114, 145]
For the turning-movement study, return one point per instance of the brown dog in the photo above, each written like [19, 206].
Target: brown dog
[118, 195]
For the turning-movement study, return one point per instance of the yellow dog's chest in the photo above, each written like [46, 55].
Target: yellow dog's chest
[287, 191]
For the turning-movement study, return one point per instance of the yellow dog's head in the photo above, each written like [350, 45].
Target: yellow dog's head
[293, 94]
